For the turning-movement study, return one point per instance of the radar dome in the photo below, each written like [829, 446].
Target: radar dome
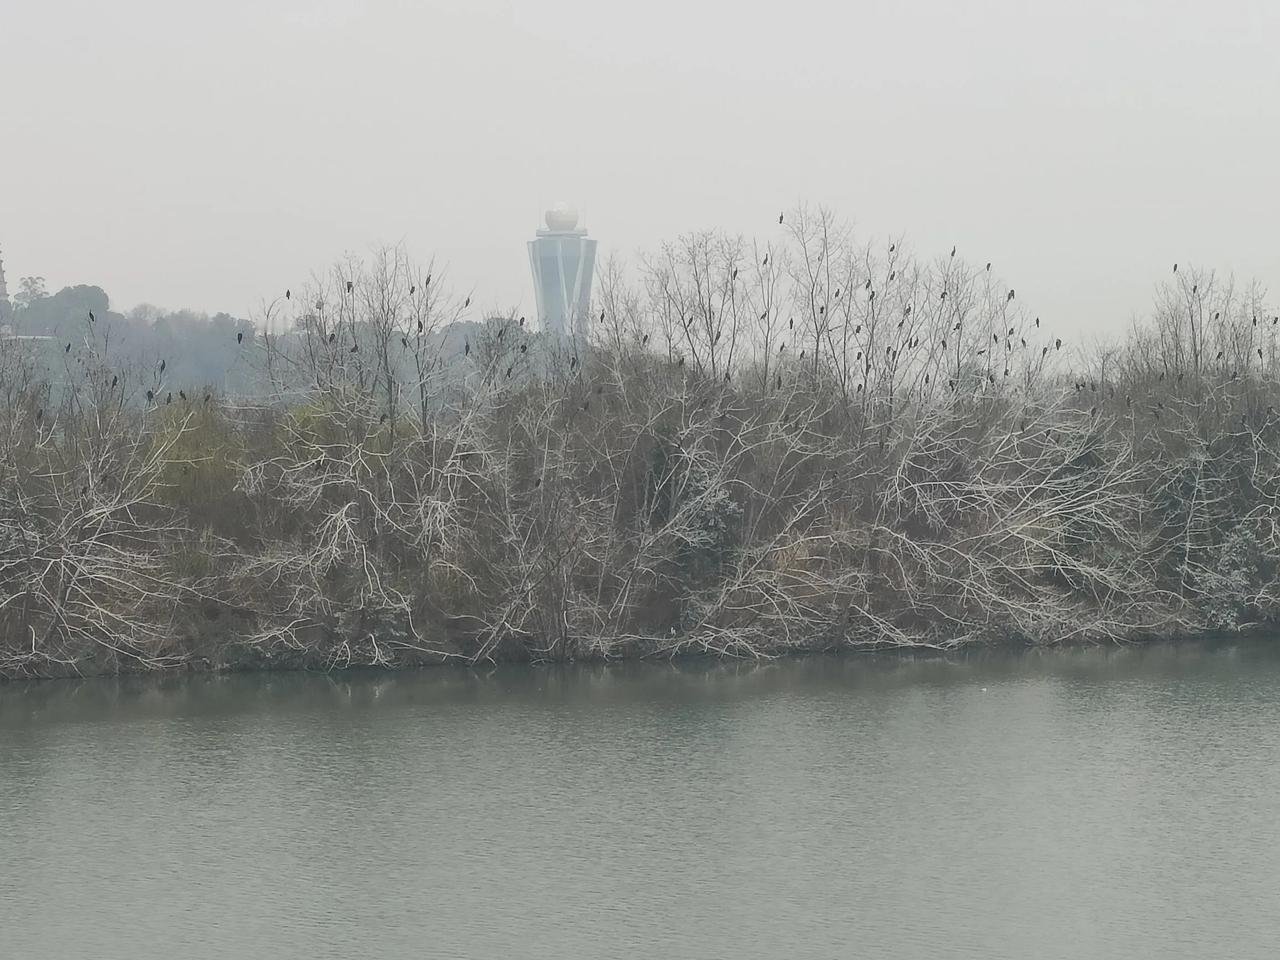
[562, 218]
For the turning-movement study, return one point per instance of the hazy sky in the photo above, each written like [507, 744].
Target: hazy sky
[209, 155]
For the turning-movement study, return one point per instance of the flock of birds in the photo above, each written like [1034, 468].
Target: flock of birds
[893, 353]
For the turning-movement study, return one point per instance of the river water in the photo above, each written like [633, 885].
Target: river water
[1090, 803]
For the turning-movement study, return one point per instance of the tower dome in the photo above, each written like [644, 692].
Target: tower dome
[562, 218]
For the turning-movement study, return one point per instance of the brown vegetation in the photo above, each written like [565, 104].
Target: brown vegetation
[810, 445]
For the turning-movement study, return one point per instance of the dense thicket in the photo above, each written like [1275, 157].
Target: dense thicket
[810, 444]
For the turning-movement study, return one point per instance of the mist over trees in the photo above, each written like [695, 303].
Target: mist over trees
[814, 442]
[198, 349]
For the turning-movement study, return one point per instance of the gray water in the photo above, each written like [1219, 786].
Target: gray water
[1100, 803]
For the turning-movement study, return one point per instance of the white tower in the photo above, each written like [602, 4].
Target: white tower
[563, 260]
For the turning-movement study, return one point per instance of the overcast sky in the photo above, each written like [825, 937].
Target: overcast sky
[209, 155]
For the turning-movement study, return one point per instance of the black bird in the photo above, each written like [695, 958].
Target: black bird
[92, 318]
[428, 280]
[1259, 353]
[68, 349]
[150, 396]
[382, 419]
[466, 303]
[419, 326]
[573, 362]
[779, 218]
[988, 266]
[944, 295]
[779, 381]
[355, 348]
[644, 339]
[726, 376]
[207, 397]
[162, 366]
[466, 348]
[412, 288]
[404, 342]
[169, 397]
[333, 337]
[524, 347]
[1057, 344]
[735, 274]
[801, 354]
[286, 294]
[114, 381]
[522, 321]
[1009, 297]
[953, 251]
[791, 324]
[1175, 268]
[995, 338]
[681, 362]
[537, 483]
[509, 373]
[602, 316]
[182, 394]
[765, 262]
[872, 295]
[240, 337]
[350, 286]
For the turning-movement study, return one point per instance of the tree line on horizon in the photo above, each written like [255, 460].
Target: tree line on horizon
[809, 442]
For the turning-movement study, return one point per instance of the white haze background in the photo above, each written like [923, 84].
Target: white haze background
[209, 155]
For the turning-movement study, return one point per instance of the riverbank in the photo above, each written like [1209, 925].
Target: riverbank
[934, 470]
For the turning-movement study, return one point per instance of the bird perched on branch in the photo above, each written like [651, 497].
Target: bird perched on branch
[240, 337]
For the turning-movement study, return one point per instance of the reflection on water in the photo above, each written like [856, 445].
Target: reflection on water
[1091, 803]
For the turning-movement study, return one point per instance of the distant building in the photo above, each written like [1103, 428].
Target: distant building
[563, 260]
[6, 308]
